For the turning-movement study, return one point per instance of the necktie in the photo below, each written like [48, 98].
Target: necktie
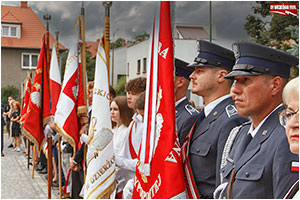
[243, 145]
[201, 117]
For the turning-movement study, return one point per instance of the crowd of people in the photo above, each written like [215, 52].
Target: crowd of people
[244, 142]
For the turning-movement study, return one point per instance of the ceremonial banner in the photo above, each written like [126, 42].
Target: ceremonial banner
[38, 113]
[100, 178]
[159, 171]
[55, 80]
[26, 97]
[66, 120]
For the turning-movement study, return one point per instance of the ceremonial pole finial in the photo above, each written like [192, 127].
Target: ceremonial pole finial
[107, 5]
[47, 18]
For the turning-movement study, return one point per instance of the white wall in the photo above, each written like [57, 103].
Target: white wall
[120, 60]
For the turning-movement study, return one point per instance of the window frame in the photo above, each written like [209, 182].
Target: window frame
[144, 65]
[10, 26]
[30, 60]
[138, 71]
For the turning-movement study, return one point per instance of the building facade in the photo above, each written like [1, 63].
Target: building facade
[21, 40]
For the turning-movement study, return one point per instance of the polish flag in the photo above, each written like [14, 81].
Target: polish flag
[55, 79]
[66, 119]
[159, 171]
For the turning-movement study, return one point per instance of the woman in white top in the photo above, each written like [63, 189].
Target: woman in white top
[289, 118]
[121, 114]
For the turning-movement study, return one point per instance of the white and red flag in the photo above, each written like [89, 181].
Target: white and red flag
[66, 119]
[159, 171]
[38, 111]
[55, 80]
[100, 179]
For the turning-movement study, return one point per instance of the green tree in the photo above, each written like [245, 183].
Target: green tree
[118, 43]
[90, 64]
[268, 28]
[142, 36]
[120, 86]
[9, 91]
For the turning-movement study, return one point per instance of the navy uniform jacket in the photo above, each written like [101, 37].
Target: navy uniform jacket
[263, 171]
[186, 116]
[206, 145]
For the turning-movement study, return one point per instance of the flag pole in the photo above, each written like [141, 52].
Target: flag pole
[47, 17]
[83, 67]
[59, 139]
[83, 53]
[107, 5]
[33, 161]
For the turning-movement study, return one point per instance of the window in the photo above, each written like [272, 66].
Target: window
[144, 65]
[29, 60]
[127, 69]
[138, 67]
[11, 31]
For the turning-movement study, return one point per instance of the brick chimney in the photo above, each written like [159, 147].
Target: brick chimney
[23, 4]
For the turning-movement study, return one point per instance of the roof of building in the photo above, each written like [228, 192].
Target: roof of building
[192, 33]
[92, 48]
[32, 28]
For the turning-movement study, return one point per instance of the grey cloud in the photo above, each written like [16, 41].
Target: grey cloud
[136, 17]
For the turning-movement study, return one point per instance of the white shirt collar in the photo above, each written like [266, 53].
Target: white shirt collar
[137, 118]
[180, 100]
[254, 131]
[208, 108]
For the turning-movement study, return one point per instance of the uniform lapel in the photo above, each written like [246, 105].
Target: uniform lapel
[180, 107]
[213, 115]
[261, 136]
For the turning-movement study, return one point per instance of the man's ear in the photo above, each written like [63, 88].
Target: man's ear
[276, 85]
[221, 74]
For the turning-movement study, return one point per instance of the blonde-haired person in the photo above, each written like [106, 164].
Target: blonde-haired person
[15, 127]
[289, 118]
[121, 114]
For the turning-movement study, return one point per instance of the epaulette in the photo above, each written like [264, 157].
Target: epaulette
[190, 109]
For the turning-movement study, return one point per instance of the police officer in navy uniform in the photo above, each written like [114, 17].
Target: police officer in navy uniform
[220, 116]
[186, 114]
[259, 164]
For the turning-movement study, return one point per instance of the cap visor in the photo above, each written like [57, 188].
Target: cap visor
[232, 74]
[195, 64]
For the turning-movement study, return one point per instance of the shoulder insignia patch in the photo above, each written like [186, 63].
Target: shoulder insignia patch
[191, 109]
[231, 110]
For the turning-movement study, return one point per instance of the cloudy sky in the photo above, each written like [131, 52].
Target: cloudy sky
[136, 17]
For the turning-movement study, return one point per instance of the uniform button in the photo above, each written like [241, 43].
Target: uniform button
[247, 174]
[198, 150]
[223, 170]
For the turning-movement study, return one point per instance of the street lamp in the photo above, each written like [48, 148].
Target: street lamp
[113, 58]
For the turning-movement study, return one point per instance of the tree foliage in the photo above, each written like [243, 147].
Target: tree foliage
[118, 43]
[120, 86]
[9, 91]
[90, 64]
[140, 37]
[268, 28]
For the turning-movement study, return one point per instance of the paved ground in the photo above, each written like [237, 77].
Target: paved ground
[16, 179]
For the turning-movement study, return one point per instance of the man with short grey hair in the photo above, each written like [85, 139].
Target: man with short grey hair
[260, 164]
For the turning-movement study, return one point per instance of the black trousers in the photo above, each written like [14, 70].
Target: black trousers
[77, 183]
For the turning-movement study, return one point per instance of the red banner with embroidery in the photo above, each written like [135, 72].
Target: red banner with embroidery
[159, 172]
[38, 113]
[26, 98]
